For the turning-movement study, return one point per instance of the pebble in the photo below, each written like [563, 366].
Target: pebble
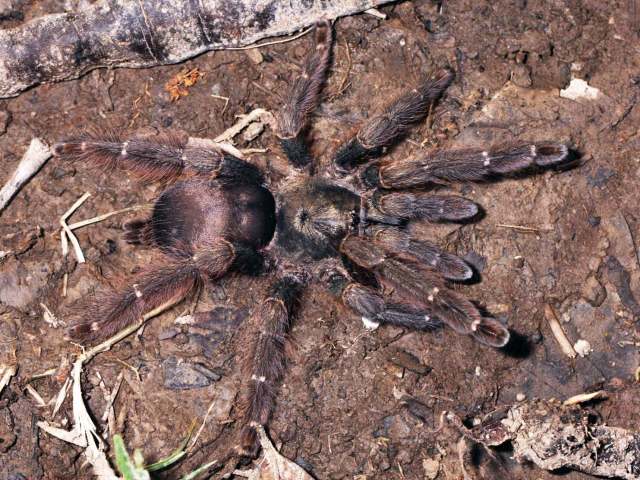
[431, 468]
[183, 375]
[5, 121]
[582, 348]
[254, 55]
[520, 76]
[408, 361]
[593, 291]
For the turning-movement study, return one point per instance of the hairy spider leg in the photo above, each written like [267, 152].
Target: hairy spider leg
[465, 165]
[392, 124]
[304, 97]
[113, 311]
[450, 266]
[264, 362]
[163, 157]
[420, 287]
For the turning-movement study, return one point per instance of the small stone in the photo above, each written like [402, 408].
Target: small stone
[521, 397]
[518, 261]
[254, 55]
[5, 121]
[578, 89]
[431, 468]
[168, 334]
[594, 221]
[182, 375]
[582, 348]
[593, 292]
[216, 89]
[594, 264]
[408, 361]
[520, 76]
[418, 409]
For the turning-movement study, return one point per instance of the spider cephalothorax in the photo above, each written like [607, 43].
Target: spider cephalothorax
[346, 228]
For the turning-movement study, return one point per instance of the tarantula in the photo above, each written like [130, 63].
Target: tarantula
[345, 228]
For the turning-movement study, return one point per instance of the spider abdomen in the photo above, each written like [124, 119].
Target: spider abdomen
[190, 214]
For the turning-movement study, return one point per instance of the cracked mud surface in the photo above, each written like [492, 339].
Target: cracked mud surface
[337, 414]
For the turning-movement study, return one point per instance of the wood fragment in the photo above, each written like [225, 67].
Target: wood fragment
[374, 12]
[34, 158]
[585, 397]
[36, 396]
[558, 332]
[6, 373]
[148, 33]
[522, 228]
[67, 235]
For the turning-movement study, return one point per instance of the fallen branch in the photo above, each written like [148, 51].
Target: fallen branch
[35, 157]
[147, 33]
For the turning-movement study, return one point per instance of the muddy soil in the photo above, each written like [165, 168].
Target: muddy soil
[564, 238]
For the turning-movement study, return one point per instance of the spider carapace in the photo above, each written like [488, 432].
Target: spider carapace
[347, 227]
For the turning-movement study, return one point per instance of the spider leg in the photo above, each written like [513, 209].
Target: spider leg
[424, 290]
[372, 306]
[174, 280]
[164, 157]
[303, 98]
[450, 266]
[393, 123]
[265, 360]
[433, 208]
[465, 165]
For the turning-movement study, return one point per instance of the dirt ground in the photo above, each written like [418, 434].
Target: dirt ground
[338, 413]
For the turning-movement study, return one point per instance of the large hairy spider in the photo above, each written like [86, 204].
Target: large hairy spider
[346, 227]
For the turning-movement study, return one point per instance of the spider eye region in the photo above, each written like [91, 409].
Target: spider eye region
[312, 219]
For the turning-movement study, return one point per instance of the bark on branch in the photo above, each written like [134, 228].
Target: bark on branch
[145, 33]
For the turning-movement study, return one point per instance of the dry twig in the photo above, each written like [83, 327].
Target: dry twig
[35, 157]
[558, 332]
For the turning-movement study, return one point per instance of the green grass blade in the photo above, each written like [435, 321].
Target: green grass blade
[129, 469]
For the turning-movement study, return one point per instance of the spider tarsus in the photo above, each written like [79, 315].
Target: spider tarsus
[491, 332]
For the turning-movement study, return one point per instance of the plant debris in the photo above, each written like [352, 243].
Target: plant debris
[179, 85]
[554, 436]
